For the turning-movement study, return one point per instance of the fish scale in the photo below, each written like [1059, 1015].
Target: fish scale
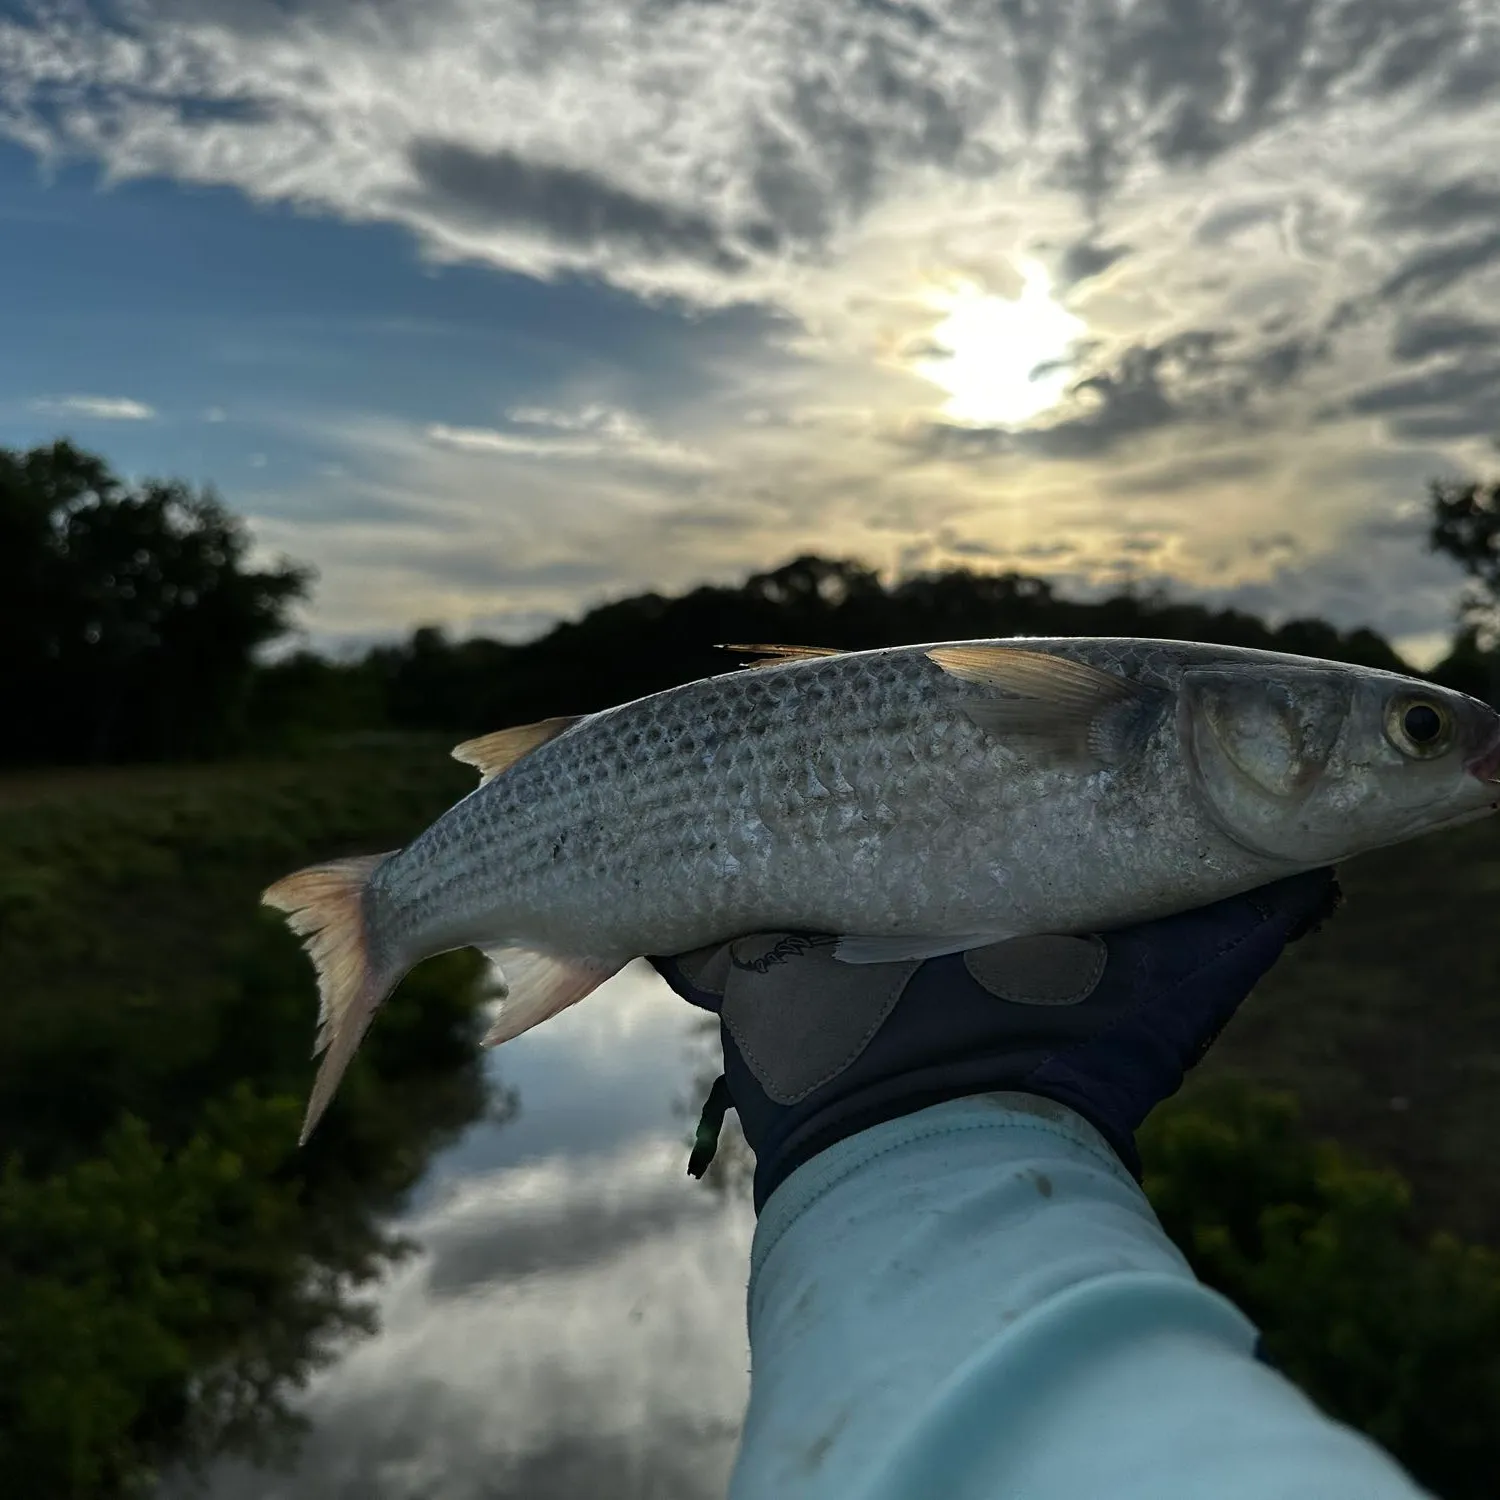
[912, 800]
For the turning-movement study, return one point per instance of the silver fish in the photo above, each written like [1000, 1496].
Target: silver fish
[915, 800]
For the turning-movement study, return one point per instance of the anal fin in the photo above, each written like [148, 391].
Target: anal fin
[539, 984]
[889, 950]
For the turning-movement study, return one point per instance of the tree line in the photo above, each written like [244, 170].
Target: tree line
[134, 621]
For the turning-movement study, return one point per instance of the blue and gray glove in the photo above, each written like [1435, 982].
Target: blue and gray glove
[816, 1050]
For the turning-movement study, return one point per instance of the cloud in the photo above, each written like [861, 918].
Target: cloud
[1415, 204]
[1382, 553]
[1477, 419]
[94, 408]
[1434, 270]
[490, 440]
[1195, 376]
[480, 565]
[1084, 259]
[1197, 472]
[595, 432]
[1438, 387]
[1444, 402]
[585, 419]
[519, 522]
[688, 146]
[563, 206]
[1442, 333]
[1134, 396]
[497, 1243]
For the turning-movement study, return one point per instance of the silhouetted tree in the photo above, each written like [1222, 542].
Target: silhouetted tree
[130, 615]
[432, 680]
[1464, 518]
[644, 644]
[1465, 525]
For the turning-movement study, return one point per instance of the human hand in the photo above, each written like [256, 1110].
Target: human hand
[816, 1049]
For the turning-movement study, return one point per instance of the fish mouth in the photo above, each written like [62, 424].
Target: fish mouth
[1485, 764]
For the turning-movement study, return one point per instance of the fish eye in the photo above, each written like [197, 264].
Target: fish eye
[1419, 727]
[1422, 723]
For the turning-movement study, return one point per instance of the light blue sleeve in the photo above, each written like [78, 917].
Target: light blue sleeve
[976, 1302]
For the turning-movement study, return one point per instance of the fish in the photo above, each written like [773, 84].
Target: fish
[910, 800]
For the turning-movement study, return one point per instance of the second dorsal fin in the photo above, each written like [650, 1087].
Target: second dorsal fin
[493, 753]
[774, 656]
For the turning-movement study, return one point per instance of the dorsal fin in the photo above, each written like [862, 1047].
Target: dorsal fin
[774, 656]
[1030, 674]
[1075, 713]
[494, 753]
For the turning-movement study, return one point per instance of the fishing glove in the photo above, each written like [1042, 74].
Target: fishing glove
[816, 1049]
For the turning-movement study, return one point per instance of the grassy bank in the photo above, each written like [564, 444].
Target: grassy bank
[173, 1265]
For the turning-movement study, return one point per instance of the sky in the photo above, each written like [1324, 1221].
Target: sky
[495, 309]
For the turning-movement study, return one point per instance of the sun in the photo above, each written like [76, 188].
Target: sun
[1001, 359]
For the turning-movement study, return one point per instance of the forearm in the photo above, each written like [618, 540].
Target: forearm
[977, 1301]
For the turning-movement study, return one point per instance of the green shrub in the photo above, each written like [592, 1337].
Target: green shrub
[1394, 1333]
[130, 1273]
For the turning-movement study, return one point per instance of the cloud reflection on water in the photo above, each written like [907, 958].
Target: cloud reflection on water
[573, 1322]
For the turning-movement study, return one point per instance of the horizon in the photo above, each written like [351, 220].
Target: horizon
[348, 650]
[503, 310]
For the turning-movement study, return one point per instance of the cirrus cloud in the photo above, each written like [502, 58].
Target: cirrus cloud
[595, 432]
[94, 408]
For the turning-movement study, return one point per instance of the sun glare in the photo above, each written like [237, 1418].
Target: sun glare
[1002, 359]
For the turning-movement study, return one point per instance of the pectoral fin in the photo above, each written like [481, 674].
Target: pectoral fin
[1050, 705]
[890, 950]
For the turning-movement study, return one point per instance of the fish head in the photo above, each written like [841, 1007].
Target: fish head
[1312, 764]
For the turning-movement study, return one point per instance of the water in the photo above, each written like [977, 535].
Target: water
[572, 1320]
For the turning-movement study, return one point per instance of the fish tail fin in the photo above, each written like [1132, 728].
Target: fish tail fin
[325, 906]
